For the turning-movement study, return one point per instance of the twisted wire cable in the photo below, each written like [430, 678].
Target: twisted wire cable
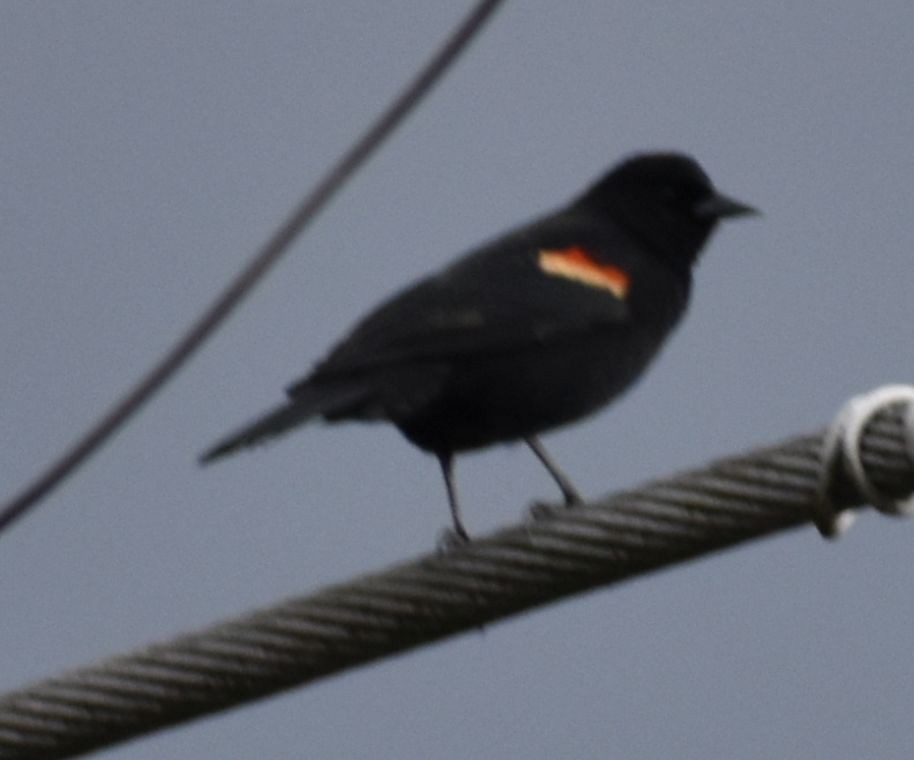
[565, 552]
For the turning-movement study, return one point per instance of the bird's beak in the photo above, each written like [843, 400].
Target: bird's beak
[719, 206]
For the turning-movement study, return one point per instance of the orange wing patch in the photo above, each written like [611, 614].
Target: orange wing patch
[577, 264]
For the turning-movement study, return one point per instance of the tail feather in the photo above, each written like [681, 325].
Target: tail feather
[282, 418]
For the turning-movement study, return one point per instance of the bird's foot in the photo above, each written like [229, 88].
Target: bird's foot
[543, 510]
[572, 499]
[451, 540]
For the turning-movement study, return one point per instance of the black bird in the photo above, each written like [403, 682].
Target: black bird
[538, 328]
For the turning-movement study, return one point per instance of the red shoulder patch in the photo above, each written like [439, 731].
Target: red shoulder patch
[578, 264]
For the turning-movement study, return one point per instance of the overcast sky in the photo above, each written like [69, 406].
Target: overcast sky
[147, 148]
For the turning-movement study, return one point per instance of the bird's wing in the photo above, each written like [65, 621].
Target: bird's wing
[500, 299]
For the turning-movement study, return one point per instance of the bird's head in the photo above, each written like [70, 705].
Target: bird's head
[666, 200]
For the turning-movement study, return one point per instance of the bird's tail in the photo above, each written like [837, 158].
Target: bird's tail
[306, 404]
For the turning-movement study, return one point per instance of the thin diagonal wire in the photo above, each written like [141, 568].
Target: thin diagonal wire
[416, 603]
[265, 258]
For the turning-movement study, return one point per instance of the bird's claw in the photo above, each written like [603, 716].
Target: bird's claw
[544, 510]
[451, 540]
[573, 499]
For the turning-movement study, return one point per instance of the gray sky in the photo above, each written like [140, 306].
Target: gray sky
[148, 147]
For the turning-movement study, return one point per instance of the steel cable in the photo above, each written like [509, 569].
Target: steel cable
[563, 552]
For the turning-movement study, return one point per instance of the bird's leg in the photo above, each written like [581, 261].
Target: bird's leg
[569, 492]
[446, 459]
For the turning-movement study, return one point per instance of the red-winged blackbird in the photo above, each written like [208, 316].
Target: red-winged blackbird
[538, 328]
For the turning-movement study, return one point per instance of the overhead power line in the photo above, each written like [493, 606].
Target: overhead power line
[276, 247]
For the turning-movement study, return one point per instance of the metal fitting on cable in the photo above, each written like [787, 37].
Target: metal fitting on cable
[841, 451]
